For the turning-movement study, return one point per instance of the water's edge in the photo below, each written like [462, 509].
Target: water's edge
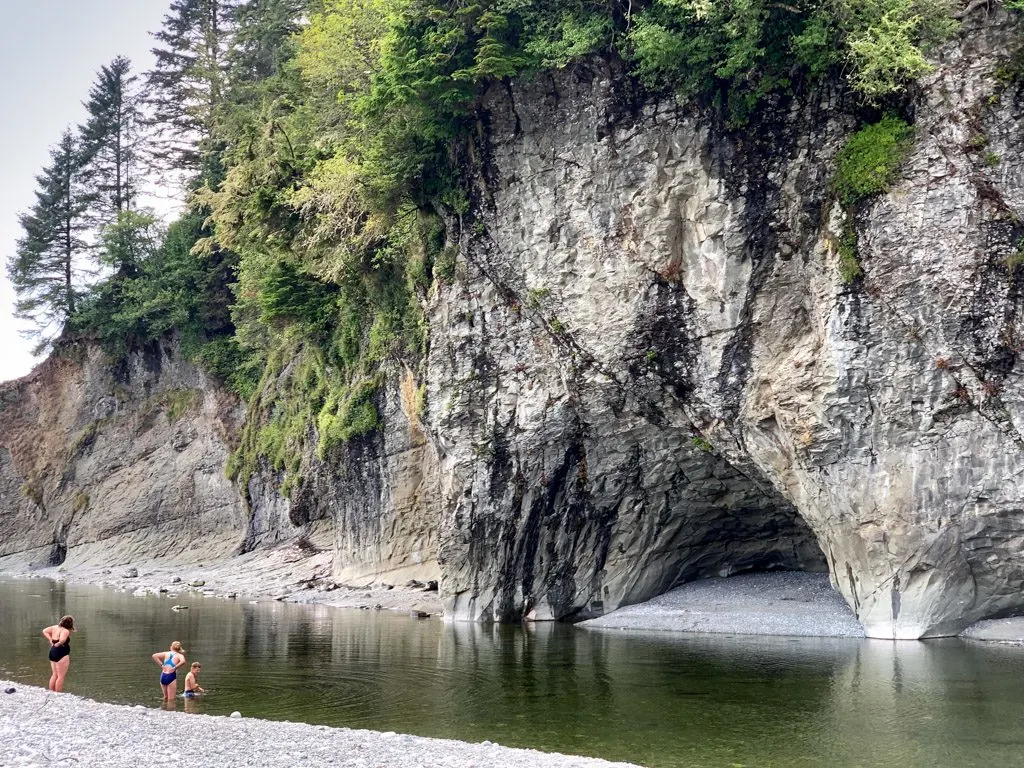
[38, 727]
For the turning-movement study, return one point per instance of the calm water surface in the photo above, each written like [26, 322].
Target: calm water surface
[693, 701]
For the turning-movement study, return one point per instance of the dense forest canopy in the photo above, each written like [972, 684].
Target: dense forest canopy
[319, 143]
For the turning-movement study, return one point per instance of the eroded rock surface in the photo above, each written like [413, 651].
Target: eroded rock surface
[645, 284]
[101, 463]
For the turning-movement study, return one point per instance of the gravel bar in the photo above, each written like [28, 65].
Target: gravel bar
[774, 603]
[40, 728]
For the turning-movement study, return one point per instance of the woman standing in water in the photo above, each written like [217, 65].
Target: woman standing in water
[169, 662]
[59, 635]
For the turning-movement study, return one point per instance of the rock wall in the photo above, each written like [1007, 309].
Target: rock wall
[107, 464]
[650, 370]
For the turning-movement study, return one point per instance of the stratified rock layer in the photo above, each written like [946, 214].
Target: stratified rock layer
[102, 464]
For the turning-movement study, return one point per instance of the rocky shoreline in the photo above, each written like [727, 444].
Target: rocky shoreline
[40, 728]
[288, 572]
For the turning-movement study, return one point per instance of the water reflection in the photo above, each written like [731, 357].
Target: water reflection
[656, 699]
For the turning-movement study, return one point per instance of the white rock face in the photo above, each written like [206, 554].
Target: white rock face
[633, 277]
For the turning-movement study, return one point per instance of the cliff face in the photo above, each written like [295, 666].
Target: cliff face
[647, 286]
[101, 464]
[647, 369]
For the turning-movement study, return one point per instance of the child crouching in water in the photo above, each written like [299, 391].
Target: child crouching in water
[191, 684]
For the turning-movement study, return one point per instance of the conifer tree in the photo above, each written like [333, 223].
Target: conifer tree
[189, 80]
[111, 140]
[265, 30]
[47, 268]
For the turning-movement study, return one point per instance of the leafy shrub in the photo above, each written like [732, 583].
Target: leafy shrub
[869, 161]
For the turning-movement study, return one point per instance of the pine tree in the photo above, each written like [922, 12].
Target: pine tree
[111, 140]
[189, 81]
[47, 268]
[265, 31]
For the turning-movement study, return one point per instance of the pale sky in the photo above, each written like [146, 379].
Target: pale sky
[50, 52]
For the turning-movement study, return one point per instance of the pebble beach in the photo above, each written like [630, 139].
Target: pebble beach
[41, 728]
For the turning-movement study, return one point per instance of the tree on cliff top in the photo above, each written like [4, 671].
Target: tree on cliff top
[49, 264]
[111, 140]
[188, 83]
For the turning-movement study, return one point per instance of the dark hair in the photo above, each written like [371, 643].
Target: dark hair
[67, 622]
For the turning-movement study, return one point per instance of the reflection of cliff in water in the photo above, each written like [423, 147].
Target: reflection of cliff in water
[657, 699]
[940, 703]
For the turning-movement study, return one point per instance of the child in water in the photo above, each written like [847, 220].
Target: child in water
[192, 688]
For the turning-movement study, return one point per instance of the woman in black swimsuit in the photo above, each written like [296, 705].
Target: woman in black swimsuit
[59, 636]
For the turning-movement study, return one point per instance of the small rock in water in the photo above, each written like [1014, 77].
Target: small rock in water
[179, 607]
[419, 614]
[197, 583]
[236, 713]
[10, 690]
[131, 573]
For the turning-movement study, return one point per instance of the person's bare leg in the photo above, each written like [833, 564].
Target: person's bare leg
[61, 672]
[53, 676]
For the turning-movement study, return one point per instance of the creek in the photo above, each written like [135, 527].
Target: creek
[660, 700]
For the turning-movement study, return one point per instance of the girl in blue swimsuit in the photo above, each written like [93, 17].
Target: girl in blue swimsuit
[169, 662]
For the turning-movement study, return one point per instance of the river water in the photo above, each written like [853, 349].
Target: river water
[657, 700]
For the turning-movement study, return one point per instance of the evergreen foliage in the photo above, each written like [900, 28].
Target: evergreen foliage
[50, 261]
[111, 140]
[188, 82]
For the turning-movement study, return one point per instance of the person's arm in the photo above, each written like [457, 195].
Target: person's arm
[180, 662]
[53, 634]
[157, 659]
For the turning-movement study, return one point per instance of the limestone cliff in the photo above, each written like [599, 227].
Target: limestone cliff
[647, 369]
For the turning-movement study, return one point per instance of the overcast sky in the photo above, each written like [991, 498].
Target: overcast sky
[50, 51]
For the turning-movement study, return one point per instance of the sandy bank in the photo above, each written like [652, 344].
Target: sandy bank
[785, 603]
[39, 728]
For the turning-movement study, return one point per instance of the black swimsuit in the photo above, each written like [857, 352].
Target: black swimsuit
[58, 652]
